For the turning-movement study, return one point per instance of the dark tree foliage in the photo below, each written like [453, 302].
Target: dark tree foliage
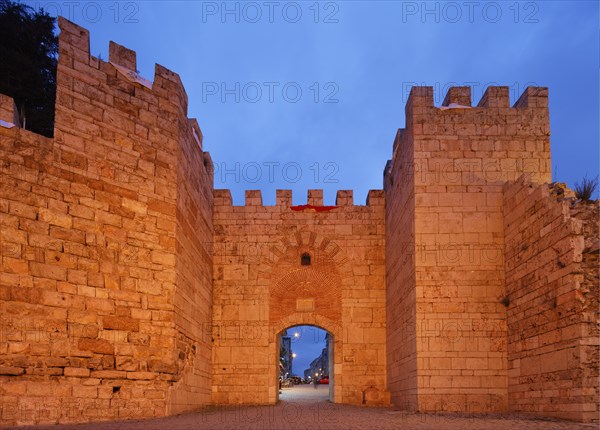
[28, 59]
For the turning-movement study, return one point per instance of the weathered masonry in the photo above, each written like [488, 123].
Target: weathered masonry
[131, 288]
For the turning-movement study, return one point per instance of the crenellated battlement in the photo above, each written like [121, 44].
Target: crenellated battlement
[528, 115]
[496, 97]
[122, 56]
[95, 96]
[490, 142]
[114, 94]
[314, 201]
[74, 47]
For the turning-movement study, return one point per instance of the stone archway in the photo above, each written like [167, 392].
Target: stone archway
[306, 294]
[336, 352]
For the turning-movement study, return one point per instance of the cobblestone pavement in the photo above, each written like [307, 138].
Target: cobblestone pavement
[302, 411]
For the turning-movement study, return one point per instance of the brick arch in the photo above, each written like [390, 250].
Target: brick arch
[307, 290]
[314, 289]
[295, 242]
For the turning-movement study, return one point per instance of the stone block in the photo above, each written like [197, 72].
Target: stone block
[120, 323]
[99, 346]
[11, 371]
[162, 366]
[108, 374]
[76, 372]
[141, 375]
[55, 218]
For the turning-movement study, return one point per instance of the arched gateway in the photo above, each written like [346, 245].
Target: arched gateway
[294, 267]
[305, 286]
[333, 353]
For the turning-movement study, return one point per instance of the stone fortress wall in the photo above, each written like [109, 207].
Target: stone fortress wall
[130, 288]
[106, 280]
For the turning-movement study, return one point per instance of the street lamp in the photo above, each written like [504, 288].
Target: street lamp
[294, 355]
[296, 335]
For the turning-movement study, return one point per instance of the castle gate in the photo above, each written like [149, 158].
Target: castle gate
[281, 266]
[130, 288]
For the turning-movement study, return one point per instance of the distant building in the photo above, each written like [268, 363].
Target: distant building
[320, 365]
[285, 355]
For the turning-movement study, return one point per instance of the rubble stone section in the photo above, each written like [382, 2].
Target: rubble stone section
[551, 249]
[130, 288]
[105, 233]
[261, 288]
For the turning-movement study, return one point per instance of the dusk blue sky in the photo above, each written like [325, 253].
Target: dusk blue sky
[365, 55]
[308, 345]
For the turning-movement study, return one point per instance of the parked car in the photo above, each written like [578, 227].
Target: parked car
[324, 380]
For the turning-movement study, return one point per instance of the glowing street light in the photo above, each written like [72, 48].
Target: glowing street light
[296, 335]
[294, 355]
